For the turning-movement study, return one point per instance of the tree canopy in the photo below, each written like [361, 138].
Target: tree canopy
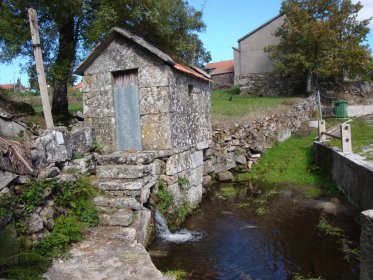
[322, 38]
[70, 28]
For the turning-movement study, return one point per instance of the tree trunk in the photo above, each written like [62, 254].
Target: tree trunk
[309, 81]
[63, 66]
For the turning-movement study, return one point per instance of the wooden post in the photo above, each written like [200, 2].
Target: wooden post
[346, 138]
[40, 68]
[322, 129]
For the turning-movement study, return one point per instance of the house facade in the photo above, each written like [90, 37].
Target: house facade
[137, 98]
[253, 68]
[222, 73]
[143, 105]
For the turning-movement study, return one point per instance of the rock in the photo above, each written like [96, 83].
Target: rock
[35, 223]
[103, 257]
[144, 225]
[49, 224]
[47, 212]
[79, 141]
[119, 202]
[125, 171]
[83, 165]
[206, 180]
[327, 207]
[121, 217]
[11, 128]
[48, 150]
[225, 176]
[6, 178]
[49, 172]
[22, 180]
[119, 157]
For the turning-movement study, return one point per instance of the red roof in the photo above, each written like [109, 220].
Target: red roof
[221, 67]
[190, 71]
[7, 86]
[79, 86]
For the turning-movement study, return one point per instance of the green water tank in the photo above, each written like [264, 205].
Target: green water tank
[340, 109]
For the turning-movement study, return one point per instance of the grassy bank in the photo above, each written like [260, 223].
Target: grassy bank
[291, 162]
[361, 134]
[229, 104]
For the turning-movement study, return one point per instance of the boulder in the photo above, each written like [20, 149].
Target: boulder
[225, 176]
[35, 223]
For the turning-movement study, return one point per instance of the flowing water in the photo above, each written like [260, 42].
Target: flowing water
[245, 235]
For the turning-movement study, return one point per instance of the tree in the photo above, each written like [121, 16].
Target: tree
[322, 38]
[70, 28]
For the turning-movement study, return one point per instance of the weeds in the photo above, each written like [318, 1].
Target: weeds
[328, 229]
[177, 273]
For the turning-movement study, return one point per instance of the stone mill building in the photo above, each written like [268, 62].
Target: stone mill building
[151, 116]
[137, 98]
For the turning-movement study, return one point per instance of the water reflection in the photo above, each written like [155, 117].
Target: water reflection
[240, 244]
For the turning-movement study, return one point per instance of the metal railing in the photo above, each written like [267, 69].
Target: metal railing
[344, 134]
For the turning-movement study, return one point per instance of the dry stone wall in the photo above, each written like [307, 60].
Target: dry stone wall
[270, 84]
[238, 147]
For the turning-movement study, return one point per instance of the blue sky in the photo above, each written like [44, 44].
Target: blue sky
[227, 21]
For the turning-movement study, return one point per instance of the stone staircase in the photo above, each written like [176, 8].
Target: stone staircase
[125, 180]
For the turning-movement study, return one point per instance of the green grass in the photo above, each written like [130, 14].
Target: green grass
[228, 103]
[177, 273]
[361, 134]
[290, 162]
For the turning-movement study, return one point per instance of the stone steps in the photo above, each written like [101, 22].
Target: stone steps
[117, 202]
[125, 171]
[121, 217]
[118, 158]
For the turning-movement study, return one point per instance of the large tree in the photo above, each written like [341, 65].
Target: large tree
[322, 38]
[70, 28]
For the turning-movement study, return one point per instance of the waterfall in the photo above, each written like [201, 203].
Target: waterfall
[180, 236]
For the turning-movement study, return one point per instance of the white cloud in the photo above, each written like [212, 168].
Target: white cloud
[367, 11]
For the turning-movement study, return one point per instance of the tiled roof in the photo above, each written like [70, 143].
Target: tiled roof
[190, 71]
[79, 85]
[7, 86]
[141, 42]
[221, 67]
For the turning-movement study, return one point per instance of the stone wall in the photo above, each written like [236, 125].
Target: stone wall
[223, 80]
[238, 147]
[270, 84]
[174, 107]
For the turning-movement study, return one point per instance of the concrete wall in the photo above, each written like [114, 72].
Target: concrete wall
[253, 59]
[237, 66]
[366, 245]
[359, 110]
[352, 174]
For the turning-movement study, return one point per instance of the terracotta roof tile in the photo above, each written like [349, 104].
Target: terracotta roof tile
[79, 85]
[190, 71]
[7, 86]
[221, 67]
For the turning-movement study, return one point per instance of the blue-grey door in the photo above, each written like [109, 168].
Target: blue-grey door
[127, 113]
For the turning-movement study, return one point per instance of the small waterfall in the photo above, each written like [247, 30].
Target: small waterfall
[180, 236]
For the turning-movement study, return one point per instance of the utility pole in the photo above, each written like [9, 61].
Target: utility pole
[40, 68]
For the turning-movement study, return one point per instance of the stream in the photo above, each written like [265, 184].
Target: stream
[242, 232]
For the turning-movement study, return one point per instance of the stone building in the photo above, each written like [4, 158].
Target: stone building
[222, 73]
[152, 114]
[137, 98]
